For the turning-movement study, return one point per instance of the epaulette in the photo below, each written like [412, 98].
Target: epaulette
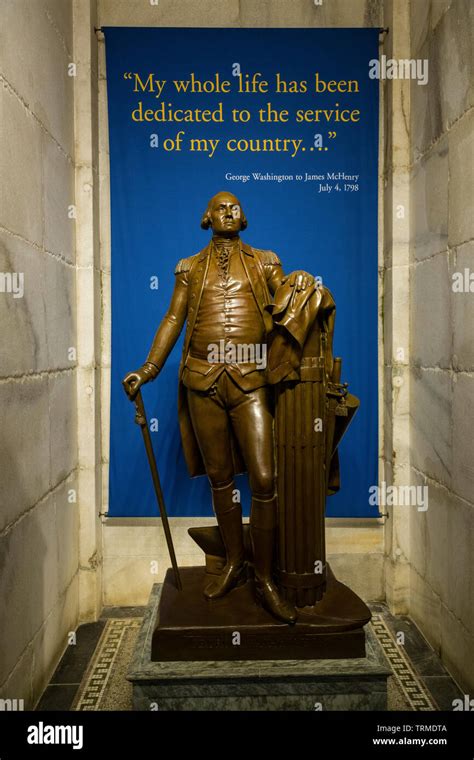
[183, 265]
[268, 258]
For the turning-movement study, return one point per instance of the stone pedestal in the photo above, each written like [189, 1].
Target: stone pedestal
[329, 684]
[190, 627]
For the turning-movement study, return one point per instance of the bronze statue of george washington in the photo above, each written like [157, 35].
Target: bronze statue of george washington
[225, 401]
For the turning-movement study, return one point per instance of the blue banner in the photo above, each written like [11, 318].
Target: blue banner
[287, 120]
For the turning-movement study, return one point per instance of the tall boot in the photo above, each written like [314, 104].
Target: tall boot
[229, 520]
[262, 531]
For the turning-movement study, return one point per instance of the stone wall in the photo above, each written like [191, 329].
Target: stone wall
[134, 551]
[442, 355]
[38, 422]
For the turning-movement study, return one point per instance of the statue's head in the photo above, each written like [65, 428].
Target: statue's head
[224, 215]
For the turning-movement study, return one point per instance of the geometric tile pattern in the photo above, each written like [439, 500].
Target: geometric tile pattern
[95, 680]
[413, 688]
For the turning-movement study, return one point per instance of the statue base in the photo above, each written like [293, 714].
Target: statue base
[294, 684]
[191, 628]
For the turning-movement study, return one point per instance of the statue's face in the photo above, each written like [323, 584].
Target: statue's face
[226, 215]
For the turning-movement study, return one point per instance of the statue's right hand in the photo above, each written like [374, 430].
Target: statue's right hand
[134, 380]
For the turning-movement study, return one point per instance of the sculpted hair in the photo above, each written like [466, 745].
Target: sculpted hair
[206, 219]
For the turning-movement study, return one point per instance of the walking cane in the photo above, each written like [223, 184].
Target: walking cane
[140, 419]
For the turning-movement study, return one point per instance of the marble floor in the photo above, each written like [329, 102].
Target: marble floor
[423, 661]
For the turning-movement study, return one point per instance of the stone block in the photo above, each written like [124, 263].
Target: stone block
[436, 546]
[85, 254]
[279, 13]
[133, 540]
[63, 432]
[19, 682]
[387, 315]
[60, 312]
[88, 384]
[400, 128]
[67, 530]
[354, 536]
[401, 425]
[105, 420]
[457, 645]
[130, 550]
[59, 13]
[463, 427]
[85, 147]
[460, 564]
[400, 523]
[363, 573]
[104, 127]
[128, 580]
[23, 348]
[462, 309]
[52, 640]
[431, 434]
[46, 88]
[396, 232]
[387, 418]
[400, 316]
[28, 581]
[387, 221]
[431, 313]
[397, 585]
[397, 16]
[24, 445]
[90, 529]
[20, 166]
[106, 309]
[419, 24]
[58, 196]
[425, 104]
[105, 477]
[248, 13]
[417, 549]
[88, 313]
[124, 538]
[425, 609]
[429, 202]
[98, 306]
[438, 9]
[453, 47]
[90, 593]
[168, 13]
[85, 17]
[461, 180]
[400, 400]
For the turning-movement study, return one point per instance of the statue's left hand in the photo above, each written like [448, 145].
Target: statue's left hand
[134, 380]
[300, 280]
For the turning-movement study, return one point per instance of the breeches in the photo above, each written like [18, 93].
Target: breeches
[225, 409]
